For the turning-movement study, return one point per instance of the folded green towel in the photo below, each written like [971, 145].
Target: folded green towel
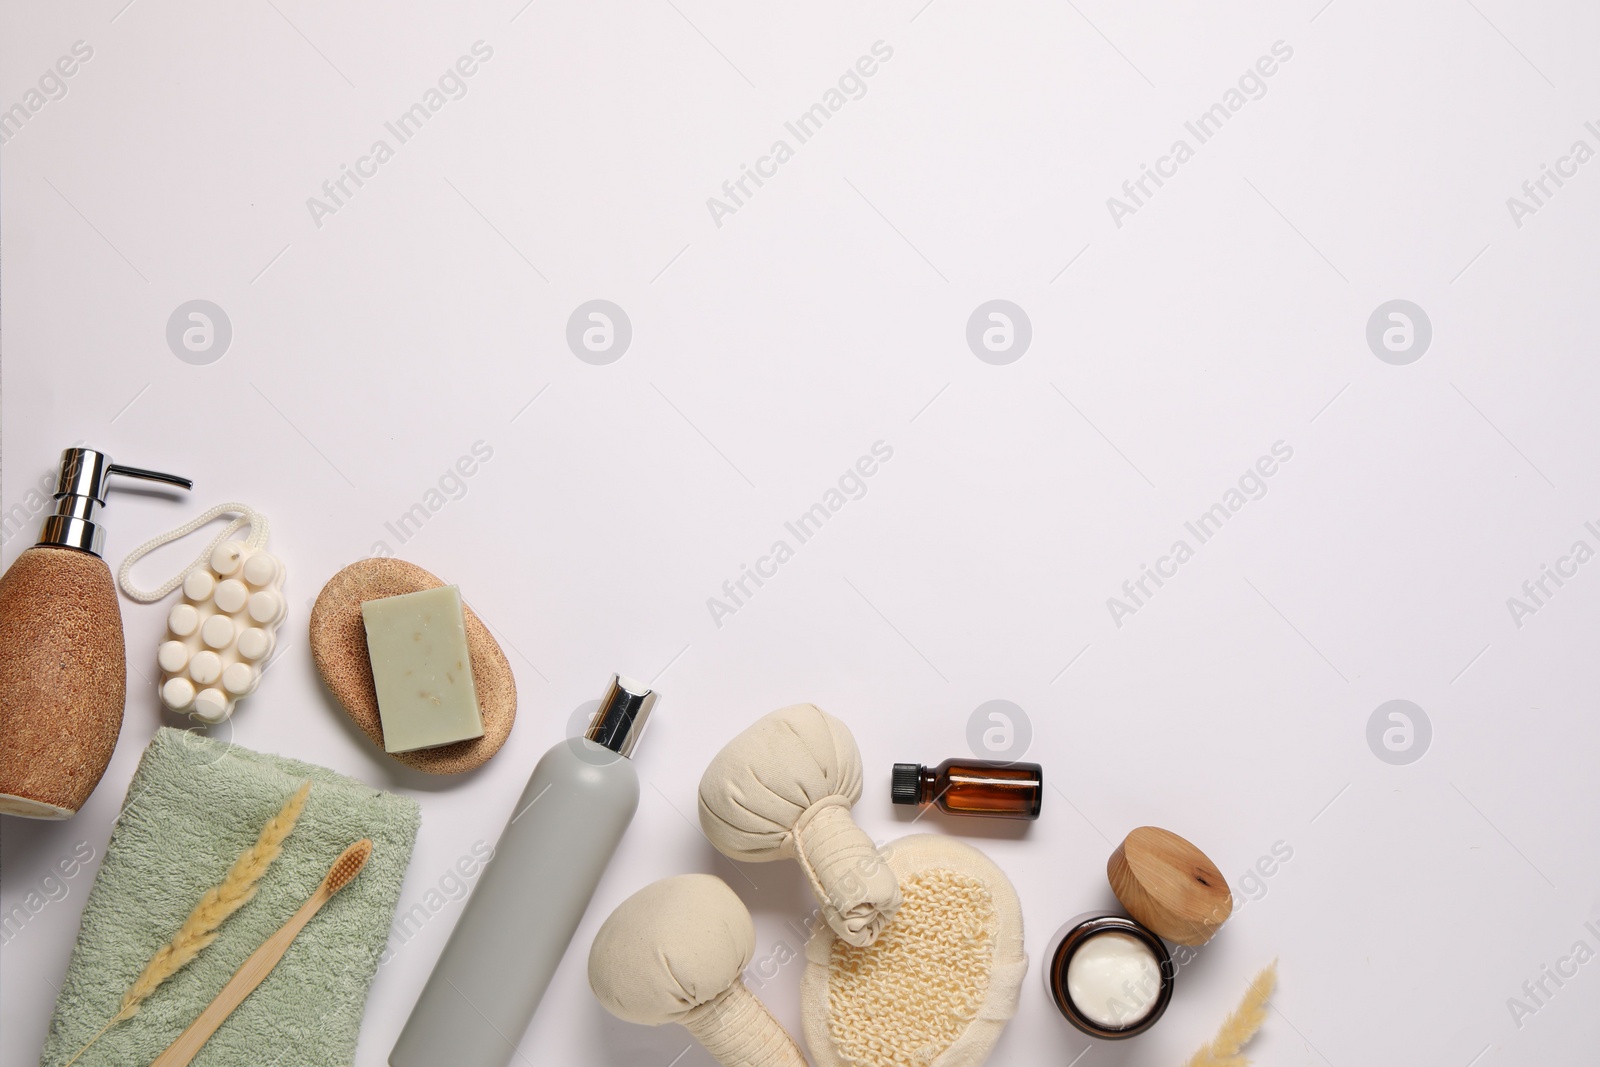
[193, 806]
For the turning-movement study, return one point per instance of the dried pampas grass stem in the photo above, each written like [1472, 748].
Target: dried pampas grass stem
[200, 928]
[1241, 1026]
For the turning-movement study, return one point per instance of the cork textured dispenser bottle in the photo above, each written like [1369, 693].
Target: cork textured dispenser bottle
[63, 664]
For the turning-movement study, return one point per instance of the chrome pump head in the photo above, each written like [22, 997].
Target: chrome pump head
[80, 488]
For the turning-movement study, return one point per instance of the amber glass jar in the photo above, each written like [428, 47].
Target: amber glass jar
[972, 787]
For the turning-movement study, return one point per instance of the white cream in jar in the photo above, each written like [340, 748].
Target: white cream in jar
[1113, 979]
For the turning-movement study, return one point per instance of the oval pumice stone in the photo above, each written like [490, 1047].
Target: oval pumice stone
[339, 649]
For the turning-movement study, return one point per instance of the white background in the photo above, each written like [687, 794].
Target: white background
[829, 312]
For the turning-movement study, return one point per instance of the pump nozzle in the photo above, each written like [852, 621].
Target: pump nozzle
[81, 487]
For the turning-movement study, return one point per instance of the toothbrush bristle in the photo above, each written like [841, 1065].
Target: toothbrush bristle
[348, 865]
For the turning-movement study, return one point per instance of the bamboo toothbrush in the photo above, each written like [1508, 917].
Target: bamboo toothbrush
[254, 970]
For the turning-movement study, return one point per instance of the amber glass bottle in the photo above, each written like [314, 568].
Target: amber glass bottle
[972, 787]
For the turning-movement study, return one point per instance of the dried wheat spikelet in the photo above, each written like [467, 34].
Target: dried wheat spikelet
[1241, 1026]
[200, 928]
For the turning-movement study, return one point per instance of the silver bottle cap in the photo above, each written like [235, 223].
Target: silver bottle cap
[81, 487]
[622, 714]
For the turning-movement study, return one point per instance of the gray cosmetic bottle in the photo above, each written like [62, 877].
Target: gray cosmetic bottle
[532, 895]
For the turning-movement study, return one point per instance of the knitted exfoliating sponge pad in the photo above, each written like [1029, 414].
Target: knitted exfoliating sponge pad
[941, 981]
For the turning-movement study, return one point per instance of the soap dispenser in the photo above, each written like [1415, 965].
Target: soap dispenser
[63, 672]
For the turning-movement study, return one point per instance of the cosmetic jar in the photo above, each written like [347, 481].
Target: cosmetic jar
[1111, 975]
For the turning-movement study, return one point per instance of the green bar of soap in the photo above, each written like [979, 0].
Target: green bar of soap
[418, 646]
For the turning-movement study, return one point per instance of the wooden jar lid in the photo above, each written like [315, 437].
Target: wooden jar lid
[1169, 886]
[339, 647]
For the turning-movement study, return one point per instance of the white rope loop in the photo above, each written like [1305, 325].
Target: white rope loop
[247, 516]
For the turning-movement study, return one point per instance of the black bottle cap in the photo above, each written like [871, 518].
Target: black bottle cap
[906, 786]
